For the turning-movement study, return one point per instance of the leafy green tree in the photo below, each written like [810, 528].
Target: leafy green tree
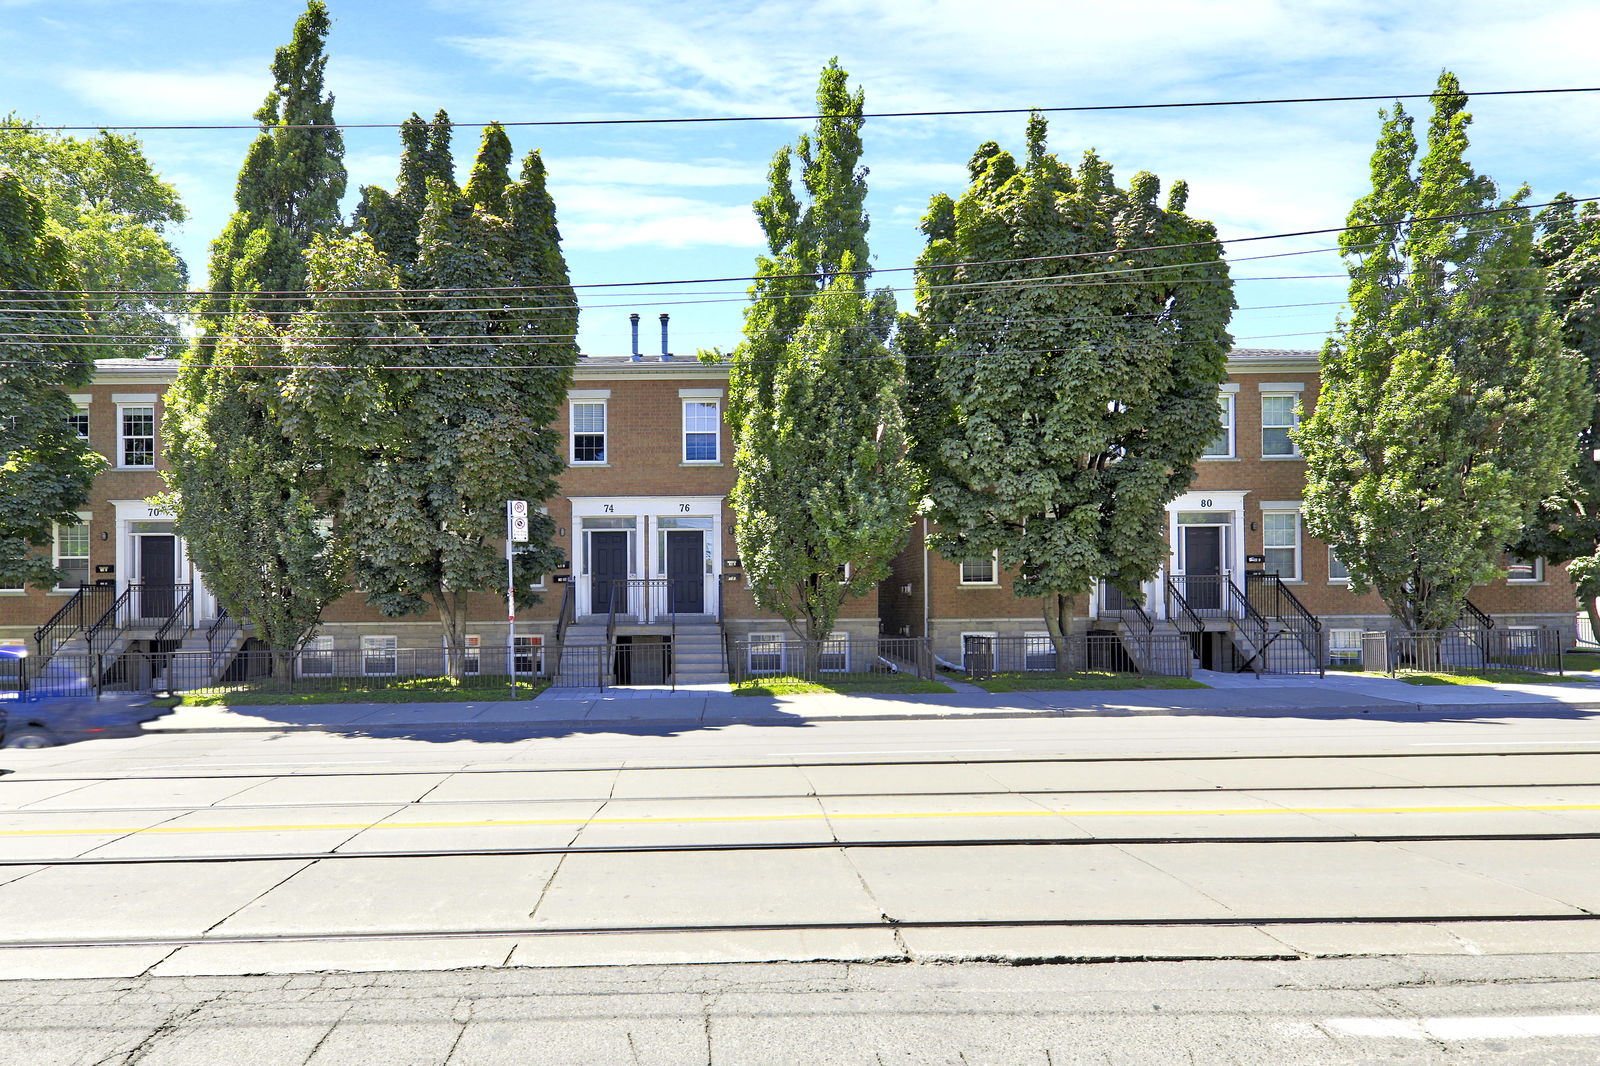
[289, 187]
[248, 499]
[45, 470]
[392, 219]
[1566, 526]
[824, 492]
[440, 409]
[1448, 405]
[1064, 369]
[110, 211]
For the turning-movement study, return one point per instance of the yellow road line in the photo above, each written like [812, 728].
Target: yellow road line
[806, 817]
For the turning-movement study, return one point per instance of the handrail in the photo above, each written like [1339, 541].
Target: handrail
[224, 621]
[611, 612]
[1248, 618]
[1286, 607]
[180, 612]
[1470, 609]
[568, 607]
[87, 602]
[111, 616]
[1185, 612]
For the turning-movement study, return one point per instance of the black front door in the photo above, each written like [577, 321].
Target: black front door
[158, 569]
[686, 570]
[608, 563]
[1202, 563]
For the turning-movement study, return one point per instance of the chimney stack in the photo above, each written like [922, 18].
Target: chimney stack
[666, 353]
[634, 319]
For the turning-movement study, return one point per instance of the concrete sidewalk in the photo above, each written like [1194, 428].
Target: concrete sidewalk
[1333, 696]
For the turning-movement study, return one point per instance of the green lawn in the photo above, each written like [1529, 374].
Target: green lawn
[1493, 676]
[1582, 660]
[407, 690]
[1086, 680]
[862, 684]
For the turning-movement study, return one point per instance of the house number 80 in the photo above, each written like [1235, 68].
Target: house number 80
[1205, 503]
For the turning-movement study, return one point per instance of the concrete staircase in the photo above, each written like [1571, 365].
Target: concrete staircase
[697, 655]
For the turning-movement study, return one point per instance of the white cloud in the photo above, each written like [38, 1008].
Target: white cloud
[608, 217]
[172, 96]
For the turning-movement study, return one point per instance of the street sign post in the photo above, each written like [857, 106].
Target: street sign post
[516, 531]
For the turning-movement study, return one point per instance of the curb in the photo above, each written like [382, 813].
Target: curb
[1520, 709]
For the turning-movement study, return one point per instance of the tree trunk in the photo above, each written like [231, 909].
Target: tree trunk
[1058, 623]
[453, 617]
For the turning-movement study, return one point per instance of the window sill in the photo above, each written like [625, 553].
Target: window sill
[13, 592]
[150, 467]
[1219, 459]
[701, 462]
[977, 584]
[1283, 458]
[1524, 584]
[576, 463]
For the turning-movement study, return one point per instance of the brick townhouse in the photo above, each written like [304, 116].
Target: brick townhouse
[643, 507]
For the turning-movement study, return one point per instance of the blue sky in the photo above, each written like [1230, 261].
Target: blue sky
[672, 201]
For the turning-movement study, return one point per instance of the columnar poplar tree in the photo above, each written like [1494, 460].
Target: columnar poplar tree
[1566, 526]
[1064, 372]
[110, 211]
[439, 410]
[1448, 405]
[45, 470]
[247, 498]
[824, 491]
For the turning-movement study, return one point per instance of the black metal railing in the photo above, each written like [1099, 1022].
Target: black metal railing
[82, 609]
[100, 634]
[1179, 613]
[836, 661]
[1272, 599]
[1205, 594]
[177, 626]
[64, 675]
[222, 631]
[1165, 655]
[1534, 649]
[1472, 615]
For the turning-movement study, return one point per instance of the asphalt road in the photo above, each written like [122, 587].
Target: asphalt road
[1269, 844]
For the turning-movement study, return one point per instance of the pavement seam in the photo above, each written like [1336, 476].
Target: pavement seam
[890, 922]
[616, 778]
[1411, 849]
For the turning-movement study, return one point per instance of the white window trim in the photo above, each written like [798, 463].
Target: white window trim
[1536, 579]
[56, 556]
[1028, 647]
[845, 653]
[1299, 543]
[1344, 655]
[994, 582]
[472, 656]
[1336, 580]
[317, 650]
[1280, 390]
[572, 430]
[123, 438]
[754, 639]
[1229, 400]
[368, 644]
[716, 434]
[81, 405]
[534, 642]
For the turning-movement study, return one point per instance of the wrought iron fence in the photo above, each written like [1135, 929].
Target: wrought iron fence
[1158, 654]
[1536, 649]
[869, 658]
[31, 677]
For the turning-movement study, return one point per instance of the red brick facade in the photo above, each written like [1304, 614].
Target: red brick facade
[649, 478]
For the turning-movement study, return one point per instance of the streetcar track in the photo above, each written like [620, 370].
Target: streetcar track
[778, 762]
[719, 796]
[800, 845]
[886, 923]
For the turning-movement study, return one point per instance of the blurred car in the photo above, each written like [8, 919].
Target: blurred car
[40, 708]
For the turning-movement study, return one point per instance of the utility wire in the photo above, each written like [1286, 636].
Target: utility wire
[489, 291]
[947, 113]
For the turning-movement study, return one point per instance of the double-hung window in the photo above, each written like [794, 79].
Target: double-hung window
[1279, 414]
[316, 657]
[702, 428]
[79, 421]
[766, 653]
[1221, 446]
[1280, 541]
[136, 443]
[379, 656]
[1344, 647]
[834, 655]
[979, 571]
[588, 431]
[527, 656]
[72, 553]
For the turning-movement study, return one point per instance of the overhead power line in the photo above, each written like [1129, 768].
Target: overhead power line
[491, 292]
[945, 113]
